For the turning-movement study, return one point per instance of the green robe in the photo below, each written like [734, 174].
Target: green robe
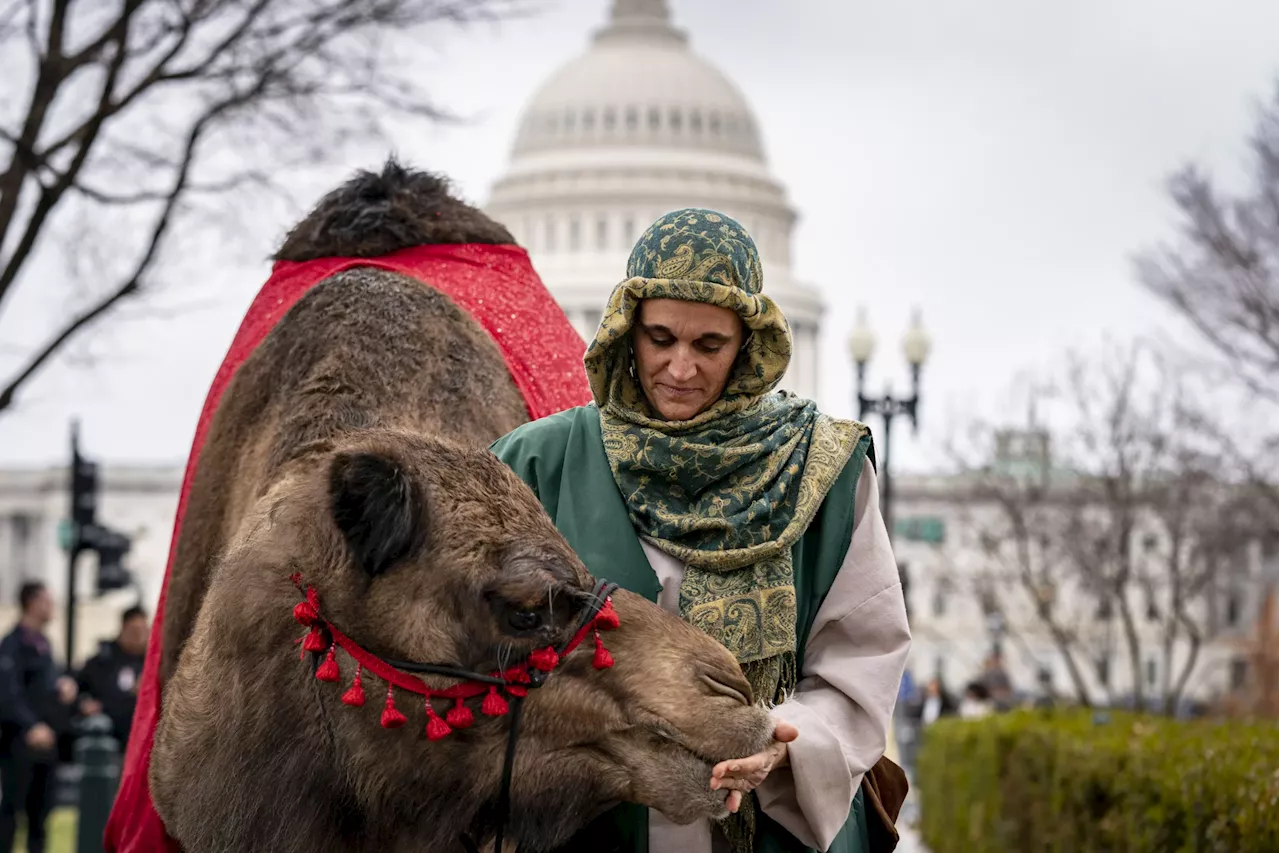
[562, 459]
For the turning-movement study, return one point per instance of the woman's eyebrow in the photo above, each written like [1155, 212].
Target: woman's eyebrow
[655, 329]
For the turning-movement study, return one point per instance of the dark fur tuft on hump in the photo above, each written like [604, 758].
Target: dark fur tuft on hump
[375, 214]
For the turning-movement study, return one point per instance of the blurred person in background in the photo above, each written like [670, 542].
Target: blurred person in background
[976, 703]
[937, 703]
[35, 720]
[109, 680]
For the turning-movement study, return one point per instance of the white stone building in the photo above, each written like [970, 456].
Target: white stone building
[604, 149]
[961, 567]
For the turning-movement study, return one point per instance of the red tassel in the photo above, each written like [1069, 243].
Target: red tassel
[328, 670]
[493, 704]
[355, 693]
[391, 716]
[519, 677]
[607, 618]
[315, 640]
[544, 659]
[602, 659]
[459, 716]
[437, 729]
[305, 613]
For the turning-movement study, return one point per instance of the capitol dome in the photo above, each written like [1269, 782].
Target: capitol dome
[634, 127]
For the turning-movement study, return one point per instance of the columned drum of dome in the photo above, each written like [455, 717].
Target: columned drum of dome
[636, 126]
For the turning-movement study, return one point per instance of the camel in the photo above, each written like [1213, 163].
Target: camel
[345, 489]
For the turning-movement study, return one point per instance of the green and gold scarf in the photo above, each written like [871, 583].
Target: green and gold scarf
[731, 491]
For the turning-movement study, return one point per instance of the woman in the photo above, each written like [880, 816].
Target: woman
[746, 512]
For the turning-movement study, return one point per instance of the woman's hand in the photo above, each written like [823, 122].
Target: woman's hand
[740, 775]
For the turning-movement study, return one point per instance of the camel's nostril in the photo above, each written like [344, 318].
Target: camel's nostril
[721, 683]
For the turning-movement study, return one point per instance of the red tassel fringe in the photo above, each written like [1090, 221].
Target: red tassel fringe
[493, 705]
[459, 716]
[515, 689]
[391, 716]
[607, 618]
[355, 693]
[602, 659]
[305, 613]
[315, 640]
[328, 670]
[437, 729]
[544, 659]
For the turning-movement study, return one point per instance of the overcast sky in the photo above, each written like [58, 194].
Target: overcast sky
[995, 164]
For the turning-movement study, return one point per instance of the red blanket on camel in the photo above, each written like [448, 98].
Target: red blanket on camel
[499, 288]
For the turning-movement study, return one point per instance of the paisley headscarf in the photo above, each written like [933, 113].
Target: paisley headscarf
[730, 491]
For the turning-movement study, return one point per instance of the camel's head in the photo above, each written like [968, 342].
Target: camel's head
[428, 552]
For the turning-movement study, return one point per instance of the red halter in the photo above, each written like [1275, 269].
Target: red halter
[514, 681]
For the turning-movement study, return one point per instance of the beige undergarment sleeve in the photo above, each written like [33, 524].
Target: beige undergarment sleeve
[853, 663]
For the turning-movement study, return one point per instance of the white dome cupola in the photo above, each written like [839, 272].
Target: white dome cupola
[636, 126]
[639, 84]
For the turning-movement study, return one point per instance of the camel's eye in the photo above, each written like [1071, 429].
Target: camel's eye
[524, 620]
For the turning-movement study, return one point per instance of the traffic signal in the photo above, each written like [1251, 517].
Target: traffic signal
[84, 490]
[111, 547]
[87, 534]
[82, 532]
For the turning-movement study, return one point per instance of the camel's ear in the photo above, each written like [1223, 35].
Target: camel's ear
[376, 507]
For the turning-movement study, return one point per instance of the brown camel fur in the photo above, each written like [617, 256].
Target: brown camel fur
[351, 447]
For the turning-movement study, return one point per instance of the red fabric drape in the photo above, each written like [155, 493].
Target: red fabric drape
[499, 288]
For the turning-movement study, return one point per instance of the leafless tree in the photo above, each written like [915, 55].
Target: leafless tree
[1117, 528]
[1223, 274]
[118, 118]
[1220, 273]
[1023, 575]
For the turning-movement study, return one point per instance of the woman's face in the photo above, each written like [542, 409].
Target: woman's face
[683, 353]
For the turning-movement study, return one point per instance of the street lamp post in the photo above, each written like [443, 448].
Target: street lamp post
[995, 630]
[915, 346]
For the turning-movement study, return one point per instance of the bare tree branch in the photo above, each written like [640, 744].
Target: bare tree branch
[226, 184]
[50, 195]
[1221, 275]
[116, 120]
[134, 281]
[23, 159]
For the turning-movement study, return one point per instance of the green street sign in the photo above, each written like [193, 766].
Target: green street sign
[926, 529]
[66, 534]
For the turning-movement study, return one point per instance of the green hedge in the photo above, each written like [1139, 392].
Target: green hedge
[1038, 782]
